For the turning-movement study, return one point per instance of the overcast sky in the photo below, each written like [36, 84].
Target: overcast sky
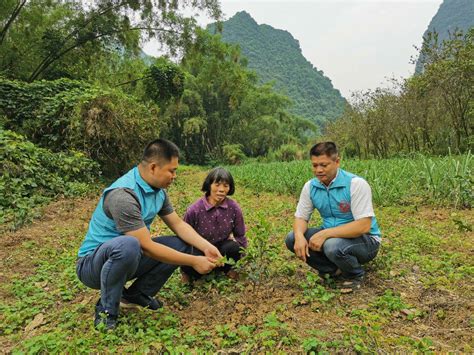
[358, 44]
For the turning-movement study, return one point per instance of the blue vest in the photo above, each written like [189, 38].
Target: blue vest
[102, 228]
[334, 202]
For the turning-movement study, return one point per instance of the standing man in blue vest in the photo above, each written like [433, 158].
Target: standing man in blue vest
[118, 246]
[349, 235]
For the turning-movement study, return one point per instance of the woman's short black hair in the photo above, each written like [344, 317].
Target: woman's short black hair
[218, 175]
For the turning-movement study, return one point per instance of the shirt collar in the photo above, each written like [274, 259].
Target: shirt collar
[336, 182]
[208, 206]
[142, 183]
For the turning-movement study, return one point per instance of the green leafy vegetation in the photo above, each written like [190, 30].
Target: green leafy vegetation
[63, 114]
[90, 42]
[205, 100]
[223, 115]
[31, 176]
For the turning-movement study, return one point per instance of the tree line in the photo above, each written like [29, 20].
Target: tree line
[431, 112]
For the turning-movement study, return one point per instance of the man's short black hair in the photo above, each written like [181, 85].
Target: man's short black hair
[160, 150]
[218, 175]
[324, 148]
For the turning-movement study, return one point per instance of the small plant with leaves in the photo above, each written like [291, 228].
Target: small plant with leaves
[313, 291]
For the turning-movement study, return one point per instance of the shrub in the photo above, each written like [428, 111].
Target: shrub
[233, 153]
[31, 176]
[287, 152]
[164, 80]
[112, 128]
[109, 126]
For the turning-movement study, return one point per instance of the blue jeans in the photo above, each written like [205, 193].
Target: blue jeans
[346, 254]
[121, 259]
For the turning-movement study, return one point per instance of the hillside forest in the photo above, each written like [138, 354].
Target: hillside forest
[276, 57]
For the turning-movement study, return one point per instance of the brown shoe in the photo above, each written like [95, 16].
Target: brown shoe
[351, 285]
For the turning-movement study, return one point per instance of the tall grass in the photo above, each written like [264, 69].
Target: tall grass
[418, 180]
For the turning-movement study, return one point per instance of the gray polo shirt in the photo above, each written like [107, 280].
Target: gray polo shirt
[122, 205]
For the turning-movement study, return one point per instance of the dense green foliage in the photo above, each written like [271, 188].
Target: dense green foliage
[415, 180]
[72, 39]
[164, 80]
[452, 16]
[31, 176]
[431, 112]
[209, 103]
[223, 115]
[100, 98]
[79, 82]
[276, 57]
[64, 114]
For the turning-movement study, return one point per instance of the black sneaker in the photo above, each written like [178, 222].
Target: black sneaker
[133, 301]
[351, 285]
[108, 320]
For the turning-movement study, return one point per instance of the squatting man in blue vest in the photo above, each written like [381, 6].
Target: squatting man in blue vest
[349, 235]
[118, 246]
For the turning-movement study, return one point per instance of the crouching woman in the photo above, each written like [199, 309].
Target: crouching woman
[218, 219]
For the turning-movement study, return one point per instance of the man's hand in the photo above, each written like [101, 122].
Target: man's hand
[301, 248]
[212, 253]
[317, 240]
[203, 264]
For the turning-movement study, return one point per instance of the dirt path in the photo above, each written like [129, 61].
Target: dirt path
[418, 295]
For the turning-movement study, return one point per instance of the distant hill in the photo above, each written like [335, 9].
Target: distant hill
[276, 56]
[451, 15]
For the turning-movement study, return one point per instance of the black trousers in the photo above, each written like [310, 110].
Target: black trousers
[227, 248]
